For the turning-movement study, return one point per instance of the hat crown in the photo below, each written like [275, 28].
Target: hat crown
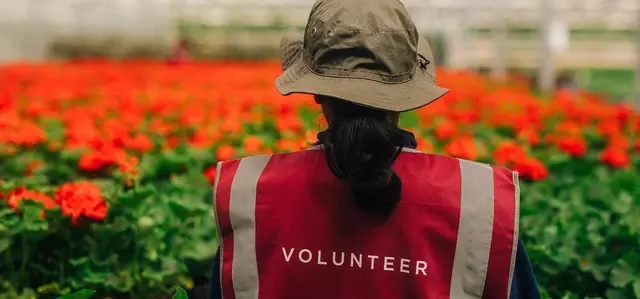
[367, 39]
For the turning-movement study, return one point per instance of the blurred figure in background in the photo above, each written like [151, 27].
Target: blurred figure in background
[363, 214]
[180, 52]
[566, 81]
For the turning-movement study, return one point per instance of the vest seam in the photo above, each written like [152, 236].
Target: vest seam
[217, 221]
[516, 228]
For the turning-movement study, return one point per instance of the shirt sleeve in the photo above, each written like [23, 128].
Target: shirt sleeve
[215, 291]
[523, 285]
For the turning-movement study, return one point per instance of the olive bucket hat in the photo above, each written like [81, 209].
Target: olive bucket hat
[367, 52]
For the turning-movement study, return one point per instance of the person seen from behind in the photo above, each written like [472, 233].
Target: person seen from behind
[180, 52]
[362, 214]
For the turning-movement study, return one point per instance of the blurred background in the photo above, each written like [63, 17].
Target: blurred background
[590, 44]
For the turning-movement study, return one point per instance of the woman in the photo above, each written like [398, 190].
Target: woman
[362, 214]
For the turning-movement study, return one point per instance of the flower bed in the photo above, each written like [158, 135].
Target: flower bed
[105, 169]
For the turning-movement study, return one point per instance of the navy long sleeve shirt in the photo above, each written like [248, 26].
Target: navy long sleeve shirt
[523, 283]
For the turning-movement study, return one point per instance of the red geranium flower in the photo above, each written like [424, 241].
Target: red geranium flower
[508, 152]
[16, 196]
[463, 147]
[225, 152]
[81, 199]
[445, 130]
[575, 146]
[210, 173]
[531, 169]
[615, 157]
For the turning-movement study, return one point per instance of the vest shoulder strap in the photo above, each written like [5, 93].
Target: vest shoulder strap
[236, 179]
[234, 211]
[488, 231]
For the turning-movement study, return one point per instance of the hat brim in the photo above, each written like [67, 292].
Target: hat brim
[398, 97]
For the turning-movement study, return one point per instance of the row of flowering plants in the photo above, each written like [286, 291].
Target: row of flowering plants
[106, 166]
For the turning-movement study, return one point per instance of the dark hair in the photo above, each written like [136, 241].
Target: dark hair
[363, 143]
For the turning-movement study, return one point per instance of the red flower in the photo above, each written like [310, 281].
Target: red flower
[424, 145]
[128, 165]
[445, 130]
[568, 128]
[225, 152]
[464, 148]
[575, 146]
[231, 125]
[508, 152]
[93, 161]
[311, 138]
[201, 138]
[210, 173]
[615, 157]
[252, 144]
[289, 123]
[530, 135]
[81, 199]
[531, 169]
[619, 141]
[16, 196]
[140, 142]
[609, 128]
[287, 145]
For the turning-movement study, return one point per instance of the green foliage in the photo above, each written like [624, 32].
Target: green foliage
[86, 294]
[153, 240]
[83, 294]
[180, 294]
[582, 231]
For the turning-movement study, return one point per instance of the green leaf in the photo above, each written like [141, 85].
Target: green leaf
[636, 288]
[71, 155]
[621, 275]
[106, 185]
[121, 281]
[602, 173]
[34, 226]
[569, 296]
[4, 244]
[308, 118]
[559, 158]
[28, 293]
[615, 294]
[79, 261]
[82, 294]
[409, 120]
[54, 129]
[181, 209]
[49, 288]
[135, 198]
[180, 294]
[623, 203]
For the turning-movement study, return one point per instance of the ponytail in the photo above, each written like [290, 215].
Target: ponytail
[363, 143]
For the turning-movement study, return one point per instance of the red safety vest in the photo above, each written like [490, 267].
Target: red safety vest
[289, 230]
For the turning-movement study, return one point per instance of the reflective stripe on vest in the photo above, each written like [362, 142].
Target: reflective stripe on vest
[263, 259]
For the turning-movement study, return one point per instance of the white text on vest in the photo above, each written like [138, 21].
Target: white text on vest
[342, 259]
